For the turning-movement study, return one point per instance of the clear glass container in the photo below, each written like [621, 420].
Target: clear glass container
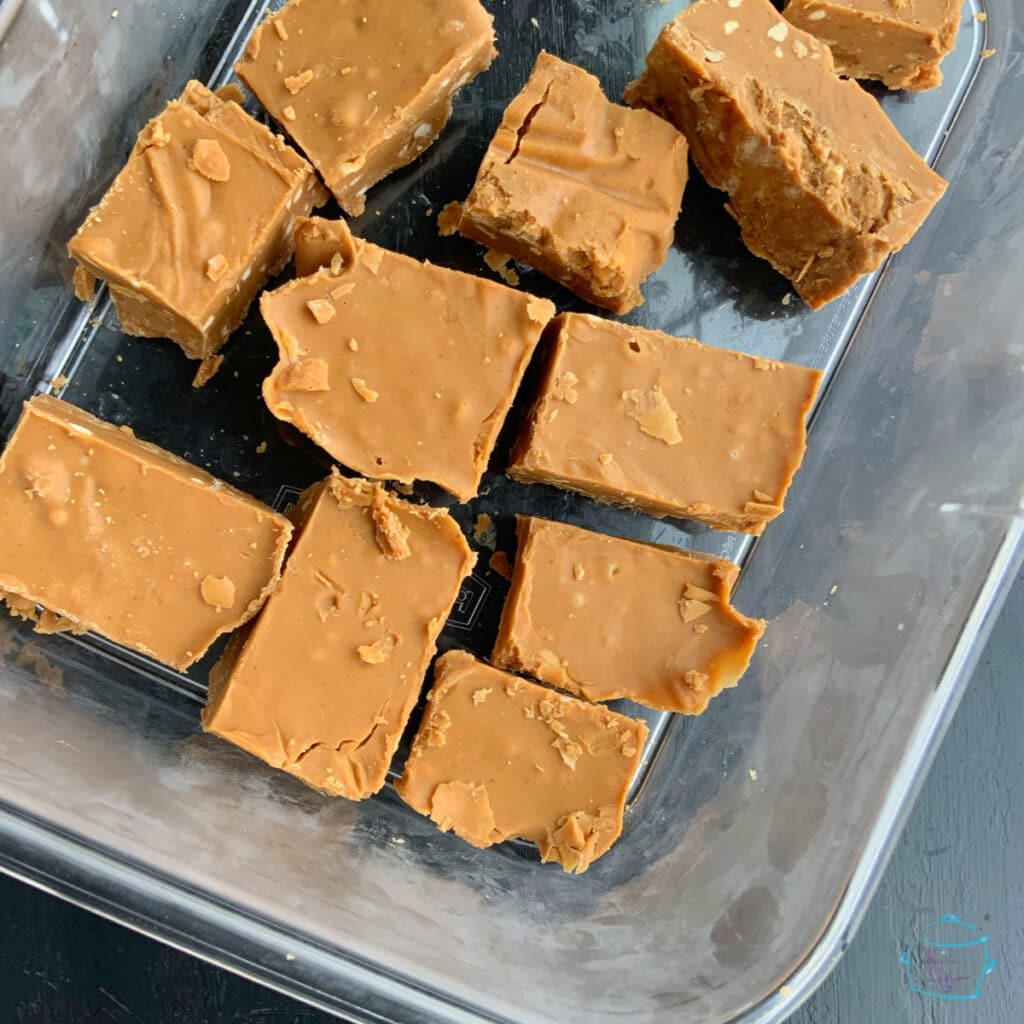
[757, 832]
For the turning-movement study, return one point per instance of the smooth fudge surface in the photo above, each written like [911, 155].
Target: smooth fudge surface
[901, 44]
[604, 617]
[195, 223]
[584, 190]
[365, 86]
[323, 683]
[497, 757]
[400, 370]
[111, 534]
[666, 425]
[820, 182]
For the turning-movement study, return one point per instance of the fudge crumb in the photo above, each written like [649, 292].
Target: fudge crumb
[218, 591]
[700, 628]
[787, 298]
[282, 32]
[695, 593]
[690, 609]
[261, 448]
[564, 388]
[309, 374]
[448, 219]
[500, 564]
[391, 534]
[296, 83]
[207, 370]
[216, 267]
[985, 54]
[379, 651]
[288, 113]
[342, 289]
[537, 311]
[578, 572]
[209, 160]
[605, 458]
[730, 26]
[981, 16]
[322, 310]
[367, 394]
[479, 696]
[778, 32]
[498, 262]
[484, 532]
[696, 681]
[713, 56]
[353, 345]
[653, 414]
[752, 772]
[337, 265]
[370, 257]
[59, 382]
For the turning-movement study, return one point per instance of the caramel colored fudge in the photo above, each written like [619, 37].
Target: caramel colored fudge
[108, 533]
[819, 181]
[365, 86]
[893, 41]
[324, 682]
[604, 618]
[666, 425]
[584, 190]
[399, 369]
[497, 757]
[195, 223]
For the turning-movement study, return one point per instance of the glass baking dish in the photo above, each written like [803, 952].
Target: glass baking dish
[756, 833]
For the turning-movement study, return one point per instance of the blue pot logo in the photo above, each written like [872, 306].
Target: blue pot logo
[949, 960]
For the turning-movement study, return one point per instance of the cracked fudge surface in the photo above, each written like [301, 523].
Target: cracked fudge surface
[110, 534]
[324, 682]
[497, 757]
[365, 86]
[392, 395]
[820, 182]
[897, 42]
[666, 425]
[604, 617]
[196, 222]
[584, 190]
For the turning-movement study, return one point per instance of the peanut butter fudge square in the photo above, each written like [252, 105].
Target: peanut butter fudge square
[195, 223]
[399, 369]
[110, 534]
[584, 190]
[324, 682]
[819, 181]
[604, 617]
[497, 757]
[898, 43]
[365, 86]
[666, 425]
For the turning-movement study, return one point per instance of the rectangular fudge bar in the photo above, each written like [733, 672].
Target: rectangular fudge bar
[365, 86]
[819, 181]
[584, 190]
[604, 618]
[666, 425]
[898, 43]
[111, 534]
[323, 684]
[497, 757]
[195, 223]
[400, 370]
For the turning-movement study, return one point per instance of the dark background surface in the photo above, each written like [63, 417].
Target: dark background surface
[960, 854]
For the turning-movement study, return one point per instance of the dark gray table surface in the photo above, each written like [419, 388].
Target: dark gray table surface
[960, 854]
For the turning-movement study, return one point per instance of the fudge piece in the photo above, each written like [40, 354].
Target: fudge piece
[582, 189]
[195, 223]
[892, 41]
[111, 534]
[497, 757]
[365, 86]
[399, 369]
[666, 425]
[324, 682]
[604, 617]
[819, 181]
